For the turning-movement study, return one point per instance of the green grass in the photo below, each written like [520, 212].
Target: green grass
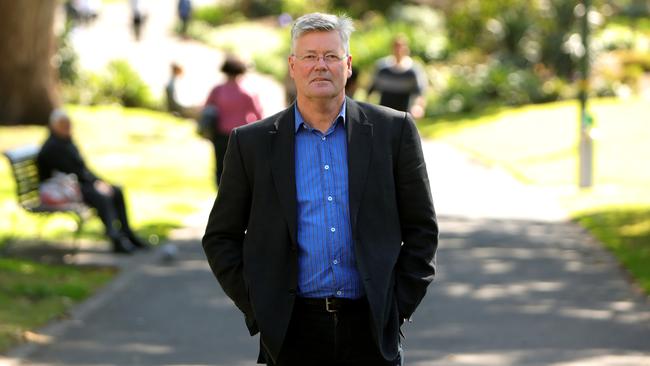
[538, 145]
[626, 232]
[166, 171]
[32, 294]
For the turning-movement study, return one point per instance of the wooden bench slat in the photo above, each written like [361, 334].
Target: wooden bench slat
[25, 171]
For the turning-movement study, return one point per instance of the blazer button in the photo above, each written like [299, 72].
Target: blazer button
[292, 291]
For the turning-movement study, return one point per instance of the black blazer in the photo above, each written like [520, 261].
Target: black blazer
[58, 154]
[250, 239]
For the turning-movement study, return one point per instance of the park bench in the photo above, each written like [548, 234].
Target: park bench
[25, 171]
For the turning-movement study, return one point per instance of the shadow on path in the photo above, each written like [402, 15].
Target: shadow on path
[508, 292]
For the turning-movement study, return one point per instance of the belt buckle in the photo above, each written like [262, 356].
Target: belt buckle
[328, 302]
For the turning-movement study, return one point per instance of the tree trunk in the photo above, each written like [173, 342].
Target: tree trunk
[28, 86]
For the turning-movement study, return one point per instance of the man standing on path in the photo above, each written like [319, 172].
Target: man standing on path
[323, 232]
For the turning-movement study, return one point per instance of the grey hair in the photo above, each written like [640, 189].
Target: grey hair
[320, 22]
[57, 115]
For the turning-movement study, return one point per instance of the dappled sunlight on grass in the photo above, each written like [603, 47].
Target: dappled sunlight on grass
[167, 175]
[538, 144]
[33, 293]
[164, 168]
[626, 232]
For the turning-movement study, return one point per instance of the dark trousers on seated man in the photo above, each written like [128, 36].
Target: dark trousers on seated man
[334, 333]
[111, 209]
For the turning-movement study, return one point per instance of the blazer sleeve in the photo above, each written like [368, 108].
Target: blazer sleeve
[224, 235]
[415, 266]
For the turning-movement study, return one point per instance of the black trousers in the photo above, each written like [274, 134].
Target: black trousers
[111, 209]
[220, 143]
[317, 338]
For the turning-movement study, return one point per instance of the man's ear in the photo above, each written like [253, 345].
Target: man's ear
[292, 62]
[349, 64]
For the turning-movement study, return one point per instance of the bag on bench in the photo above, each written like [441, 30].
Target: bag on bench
[60, 190]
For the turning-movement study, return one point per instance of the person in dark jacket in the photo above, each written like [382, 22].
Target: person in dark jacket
[323, 232]
[60, 154]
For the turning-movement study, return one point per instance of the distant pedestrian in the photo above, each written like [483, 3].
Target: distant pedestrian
[138, 18]
[60, 154]
[400, 81]
[184, 14]
[173, 105]
[234, 105]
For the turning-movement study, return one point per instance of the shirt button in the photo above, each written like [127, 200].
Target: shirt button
[329, 198]
[339, 293]
[327, 167]
[333, 229]
[336, 261]
[324, 138]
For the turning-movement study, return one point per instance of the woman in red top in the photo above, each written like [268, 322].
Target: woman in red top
[235, 107]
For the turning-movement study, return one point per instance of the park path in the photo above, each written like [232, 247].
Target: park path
[110, 38]
[518, 285]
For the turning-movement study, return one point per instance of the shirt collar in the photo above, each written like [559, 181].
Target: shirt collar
[300, 121]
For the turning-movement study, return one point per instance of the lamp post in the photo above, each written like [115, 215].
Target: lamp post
[586, 121]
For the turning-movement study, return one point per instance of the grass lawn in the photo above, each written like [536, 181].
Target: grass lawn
[31, 294]
[538, 144]
[166, 171]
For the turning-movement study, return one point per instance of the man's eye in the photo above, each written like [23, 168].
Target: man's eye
[309, 57]
[331, 57]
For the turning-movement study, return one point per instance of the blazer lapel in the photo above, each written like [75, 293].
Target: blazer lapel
[359, 151]
[283, 167]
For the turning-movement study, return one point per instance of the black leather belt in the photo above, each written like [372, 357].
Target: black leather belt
[333, 304]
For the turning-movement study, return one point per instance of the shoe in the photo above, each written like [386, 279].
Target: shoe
[122, 245]
[138, 243]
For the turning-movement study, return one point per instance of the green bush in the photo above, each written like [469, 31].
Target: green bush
[125, 85]
[216, 15]
[614, 37]
[66, 59]
[274, 64]
[120, 84]
[471, 87]
[299, 7]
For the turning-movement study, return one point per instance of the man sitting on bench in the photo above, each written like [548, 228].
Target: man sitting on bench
[59, 153]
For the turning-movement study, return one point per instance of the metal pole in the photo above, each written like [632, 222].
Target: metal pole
[586, 143]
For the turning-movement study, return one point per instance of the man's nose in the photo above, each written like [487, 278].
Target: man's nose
[320, 62]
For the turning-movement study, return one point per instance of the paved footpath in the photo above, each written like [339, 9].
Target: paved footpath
[511, 291]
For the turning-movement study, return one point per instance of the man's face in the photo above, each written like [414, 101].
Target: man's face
[62, 128]
[315, 70]
[400, 49]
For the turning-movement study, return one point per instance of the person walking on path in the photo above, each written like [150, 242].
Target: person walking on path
[235, 106]
[400, 81]
[60, 154]
[323, 232]
[138, 18]
[184, 15]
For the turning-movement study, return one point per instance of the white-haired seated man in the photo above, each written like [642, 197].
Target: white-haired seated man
[59, 154]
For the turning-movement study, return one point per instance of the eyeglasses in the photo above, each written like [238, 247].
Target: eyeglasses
[312, 58]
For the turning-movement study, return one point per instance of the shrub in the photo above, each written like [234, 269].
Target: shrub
[120, 84]
[471, 87]
[216, 15]
[66, 59]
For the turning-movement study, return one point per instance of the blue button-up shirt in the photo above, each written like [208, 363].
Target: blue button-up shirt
[326, 260]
